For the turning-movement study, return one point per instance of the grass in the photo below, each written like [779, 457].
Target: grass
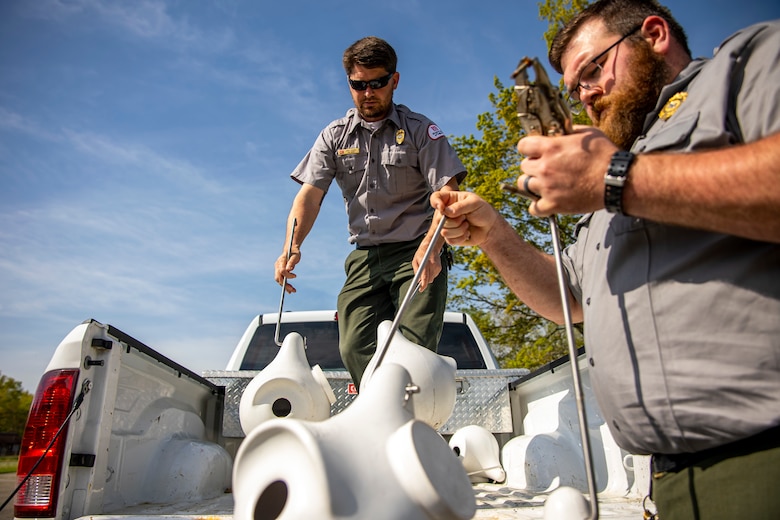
[8, 464]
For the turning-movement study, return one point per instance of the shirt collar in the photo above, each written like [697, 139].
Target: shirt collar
[355, 118]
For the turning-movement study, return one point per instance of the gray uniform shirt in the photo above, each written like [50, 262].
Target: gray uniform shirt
[683, 326]
[386, 176]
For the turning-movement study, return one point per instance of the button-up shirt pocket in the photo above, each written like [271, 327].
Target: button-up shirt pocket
[350, 170]
[402, 170]
[673, 134]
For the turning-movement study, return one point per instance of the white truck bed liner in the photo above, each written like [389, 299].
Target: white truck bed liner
[494, 502]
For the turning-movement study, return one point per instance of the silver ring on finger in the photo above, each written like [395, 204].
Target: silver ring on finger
[526, 189]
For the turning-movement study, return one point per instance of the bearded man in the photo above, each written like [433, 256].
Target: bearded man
[675, 270]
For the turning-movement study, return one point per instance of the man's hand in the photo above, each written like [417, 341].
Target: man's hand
[567, 171]
[469, 218]
[283, 268]
[431, 269]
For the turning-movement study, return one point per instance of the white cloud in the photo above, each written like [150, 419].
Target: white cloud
[143, 161]
[146, 20]
[15, 122]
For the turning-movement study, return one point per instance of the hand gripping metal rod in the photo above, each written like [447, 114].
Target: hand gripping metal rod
[284, 285]
[413, 289]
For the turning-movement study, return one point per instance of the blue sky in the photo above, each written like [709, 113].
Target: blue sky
[146, 146]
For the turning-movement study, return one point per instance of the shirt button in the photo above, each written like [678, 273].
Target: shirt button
[591, 362]
[598, 246]
[587, 300]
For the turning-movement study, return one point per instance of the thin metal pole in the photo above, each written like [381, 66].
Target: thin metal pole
[284, 285]
[575, 372]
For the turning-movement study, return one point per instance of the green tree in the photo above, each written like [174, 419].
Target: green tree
[557, 13]
[14, 405]
[519, 336]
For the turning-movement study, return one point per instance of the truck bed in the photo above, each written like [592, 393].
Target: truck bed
[490, 398]
[153, 440]
[494, 502]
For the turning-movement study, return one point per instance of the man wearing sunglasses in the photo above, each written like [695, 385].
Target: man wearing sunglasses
[675, 270]
[387, 160]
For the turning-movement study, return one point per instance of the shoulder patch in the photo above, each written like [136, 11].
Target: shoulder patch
[434, 132]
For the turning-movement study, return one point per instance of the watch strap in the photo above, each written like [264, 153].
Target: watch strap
[615, 180]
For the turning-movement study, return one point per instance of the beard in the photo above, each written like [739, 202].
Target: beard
[621, 114]
[375, 108]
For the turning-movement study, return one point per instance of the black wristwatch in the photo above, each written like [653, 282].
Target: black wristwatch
[615, 179]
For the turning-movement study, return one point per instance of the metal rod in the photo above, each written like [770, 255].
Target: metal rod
[575, 372]
[413, 289]
[284, 286]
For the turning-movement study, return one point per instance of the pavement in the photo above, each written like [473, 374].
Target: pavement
[7, 486]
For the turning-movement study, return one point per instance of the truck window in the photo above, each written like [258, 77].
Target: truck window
[322, 345]
[458, 342]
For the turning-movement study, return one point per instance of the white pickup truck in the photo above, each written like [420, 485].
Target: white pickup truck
[117, 430]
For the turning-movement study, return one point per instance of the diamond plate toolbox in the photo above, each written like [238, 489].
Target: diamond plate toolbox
[482, 398]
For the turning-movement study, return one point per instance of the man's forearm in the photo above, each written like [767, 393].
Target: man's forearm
[529, 273]
[305, 208]
[735, 190]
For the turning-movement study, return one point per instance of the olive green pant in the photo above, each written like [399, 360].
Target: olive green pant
[378, 279]
[740, 481]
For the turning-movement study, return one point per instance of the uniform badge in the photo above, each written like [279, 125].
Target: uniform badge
[400, 135]
[672, 105]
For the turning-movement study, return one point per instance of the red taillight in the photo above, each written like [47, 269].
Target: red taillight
[52, 404]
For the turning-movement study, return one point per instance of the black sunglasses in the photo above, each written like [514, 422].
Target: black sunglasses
[375, 84]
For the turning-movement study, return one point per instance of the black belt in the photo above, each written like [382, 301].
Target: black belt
[394, 244]
[446, 252]
[663, 463]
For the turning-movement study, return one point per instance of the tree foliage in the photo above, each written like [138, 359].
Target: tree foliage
[519, 336]
[557, 13]
[14, 405]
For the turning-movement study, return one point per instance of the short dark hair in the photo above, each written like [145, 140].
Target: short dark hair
[370, 52]
[619, 17]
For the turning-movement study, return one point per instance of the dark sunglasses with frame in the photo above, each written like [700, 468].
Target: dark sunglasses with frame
[375, 84]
